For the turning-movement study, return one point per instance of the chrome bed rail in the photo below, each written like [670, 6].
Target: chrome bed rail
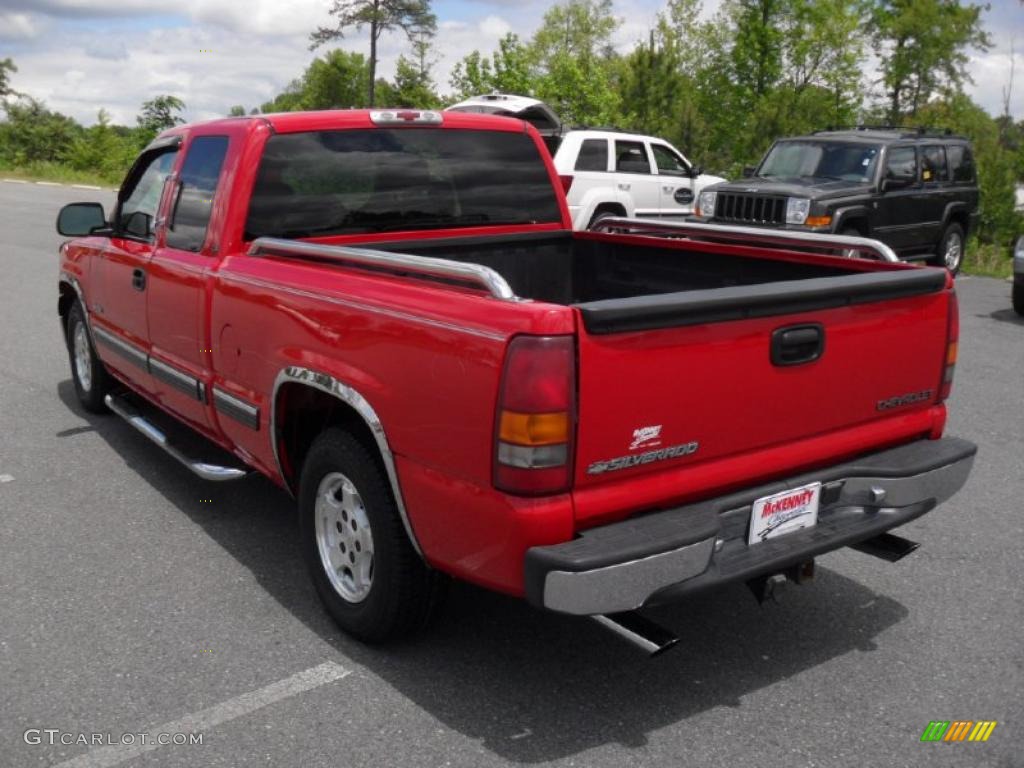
[747, 235]
[396, 263]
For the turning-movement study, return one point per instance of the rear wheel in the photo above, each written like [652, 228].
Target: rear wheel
[951, 249]
[92, 382]
[362, 563]
[1018, 296]
[604, 213]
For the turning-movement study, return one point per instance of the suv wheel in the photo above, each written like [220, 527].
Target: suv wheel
[951, 249]
[364, 568]
[1018, 296]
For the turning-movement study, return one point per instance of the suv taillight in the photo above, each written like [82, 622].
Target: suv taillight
[952, 347]
[535, 423]
[566, 179]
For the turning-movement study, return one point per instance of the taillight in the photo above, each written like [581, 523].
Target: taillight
[566, 179]
[534, 428]
[952, 347]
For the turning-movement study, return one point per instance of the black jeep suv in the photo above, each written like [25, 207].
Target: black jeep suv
[915, 191]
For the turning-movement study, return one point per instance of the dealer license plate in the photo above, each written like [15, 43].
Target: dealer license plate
[784, 513]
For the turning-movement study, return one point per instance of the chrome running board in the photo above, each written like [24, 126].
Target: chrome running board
[207, 471]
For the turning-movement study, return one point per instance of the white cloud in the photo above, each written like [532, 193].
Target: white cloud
[17, 26]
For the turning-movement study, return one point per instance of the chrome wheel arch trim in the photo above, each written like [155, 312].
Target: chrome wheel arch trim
[330, 385]
[66, 277]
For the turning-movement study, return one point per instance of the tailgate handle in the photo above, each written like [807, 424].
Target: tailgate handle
[798, 344]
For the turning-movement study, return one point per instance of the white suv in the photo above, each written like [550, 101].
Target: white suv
[625, 174]
[606, 172]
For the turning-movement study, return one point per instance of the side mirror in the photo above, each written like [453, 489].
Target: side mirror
[749, 171]
[696, 170]
[80, 219]
[138, 224]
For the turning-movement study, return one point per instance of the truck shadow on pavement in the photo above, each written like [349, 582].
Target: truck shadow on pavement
[527, 685]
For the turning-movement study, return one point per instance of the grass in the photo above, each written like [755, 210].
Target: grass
[987, 260]
[55, 172]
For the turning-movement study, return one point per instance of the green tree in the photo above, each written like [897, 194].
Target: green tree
[102, 149]
[32, 133]
[922, 48]
[575, 61]
[507, 70]
[7, 68]
[413, 17]
[339, 79]
[237, 111]
[159, 114]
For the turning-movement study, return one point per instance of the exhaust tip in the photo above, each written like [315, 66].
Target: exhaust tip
[653, 639]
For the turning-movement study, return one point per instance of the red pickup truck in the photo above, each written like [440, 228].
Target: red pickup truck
[389, 315]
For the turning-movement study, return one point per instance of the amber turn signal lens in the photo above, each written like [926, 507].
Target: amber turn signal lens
[951, 352]
[534, 428]
[818, 221]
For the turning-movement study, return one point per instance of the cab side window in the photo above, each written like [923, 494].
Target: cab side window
[199, 175]
[631, 157]
[137, 213]
[901, 163]
[668, 162]
[933, 165]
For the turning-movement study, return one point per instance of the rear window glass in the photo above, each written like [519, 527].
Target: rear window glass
[961, 164]
[631, 157]
[348, 182]
[593, 155]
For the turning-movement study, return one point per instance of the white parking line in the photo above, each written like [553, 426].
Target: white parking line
[86, 186]
[314, 677]
[49, 184]
[15, 181]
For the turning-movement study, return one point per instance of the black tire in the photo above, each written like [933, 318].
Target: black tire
[92, 382]
[403, 592]
[952, 230]
[603, 213]
[1018, 296]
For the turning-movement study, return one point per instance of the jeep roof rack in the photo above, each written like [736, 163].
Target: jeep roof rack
[904, 131]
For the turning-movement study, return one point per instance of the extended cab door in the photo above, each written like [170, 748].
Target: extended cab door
[178, 275]
[634, 177]
[676, 185]
[121, 278]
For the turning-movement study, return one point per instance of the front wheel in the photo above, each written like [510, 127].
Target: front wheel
[1018, 296]
[359, 556]
[92, 382]
[951, 249]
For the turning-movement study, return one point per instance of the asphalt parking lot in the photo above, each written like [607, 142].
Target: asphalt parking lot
[135, 598]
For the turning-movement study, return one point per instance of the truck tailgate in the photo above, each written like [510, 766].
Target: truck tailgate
[691, 379]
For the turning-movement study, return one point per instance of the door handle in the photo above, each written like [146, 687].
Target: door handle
[139, 279]
[624, 187]
[798, 344]
[668, 190]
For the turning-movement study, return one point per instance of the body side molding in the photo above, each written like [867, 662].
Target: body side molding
[329, 384]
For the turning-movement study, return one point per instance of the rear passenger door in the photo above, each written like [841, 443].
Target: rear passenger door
[937, 193]
[178, 276]
[899, 210]
[635, 177]
[676, 185]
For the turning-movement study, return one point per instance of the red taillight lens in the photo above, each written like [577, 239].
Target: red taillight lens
[952, 347]
[535, 423]
[566, 180]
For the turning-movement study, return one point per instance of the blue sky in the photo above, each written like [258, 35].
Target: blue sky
[81, 55]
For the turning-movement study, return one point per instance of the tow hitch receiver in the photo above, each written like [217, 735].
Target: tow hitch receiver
[887, 546]
[772, 586]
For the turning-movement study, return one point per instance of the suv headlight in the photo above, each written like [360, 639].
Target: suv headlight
[797, 209]
[706, 202]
